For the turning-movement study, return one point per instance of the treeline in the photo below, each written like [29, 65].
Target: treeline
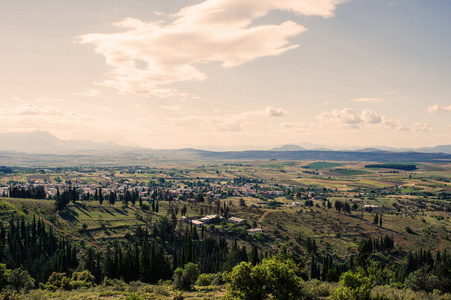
[34, 247]
[404, 167]
[32, 192]
[143, 256]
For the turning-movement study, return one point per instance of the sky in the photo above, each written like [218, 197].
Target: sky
[228, 74]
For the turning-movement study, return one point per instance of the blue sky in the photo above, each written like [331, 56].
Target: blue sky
[228, 74]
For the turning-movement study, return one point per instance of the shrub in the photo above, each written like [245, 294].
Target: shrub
[133, 296]
[145, 206]
[20, 279]
[205, 279]
[353, 287]
[272, 276]
[186, 277]
[422, 280]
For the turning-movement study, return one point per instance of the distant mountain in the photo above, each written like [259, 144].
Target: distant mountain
[288, 148]
[440, 148]
[44, 142]
[381, 156]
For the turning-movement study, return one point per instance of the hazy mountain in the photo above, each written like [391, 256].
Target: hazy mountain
[440, 148]
[44, 142]
[288, 148]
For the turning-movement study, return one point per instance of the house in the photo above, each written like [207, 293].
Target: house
[296, 204]
[185, 219]
[197, 223]
[208, 219]
[370, 207]
[236, 220]
[254, 231]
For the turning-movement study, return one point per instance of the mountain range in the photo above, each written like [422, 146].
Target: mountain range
[43, 143]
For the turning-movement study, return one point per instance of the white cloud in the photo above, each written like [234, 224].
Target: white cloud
[436, 108]
[422, 127]
[394, 124]
[176, 107]
[345, 117]
[348, 118]
[370, 117]
[227, 122]
[89, 93]
[369, 100]
[212, 31]
[29, 109]
[274, 112]
[292, 125]
[29, 116]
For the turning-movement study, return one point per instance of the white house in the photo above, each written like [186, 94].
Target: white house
[236, 220]
[254, 231]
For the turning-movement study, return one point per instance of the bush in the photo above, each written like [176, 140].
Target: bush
[204, 279]
[273, 276]
[19, 279]
[186, 277]
[408, 229]
[133, 296]
[422, 280]
[145, 206]
[353, 287]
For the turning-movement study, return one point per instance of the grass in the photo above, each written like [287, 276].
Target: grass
[351, 172]
[320, 165]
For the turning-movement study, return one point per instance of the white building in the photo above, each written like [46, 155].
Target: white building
[254, 231]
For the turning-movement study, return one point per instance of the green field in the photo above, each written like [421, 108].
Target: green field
[320, 165]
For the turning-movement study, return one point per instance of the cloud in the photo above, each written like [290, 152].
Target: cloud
[233, 122]
[370, 117]
[274, 112]
[369, 100]
[28, 111]
[345, 117]
[89, 93]
[436, 108]
[292, 125]
[348, 118]
[422, 127]
[176, 107]
[30, 116]
[146, 57]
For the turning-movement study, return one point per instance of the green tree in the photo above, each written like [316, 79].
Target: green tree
[422, 280]
[376, 219]
[272, 278]
[354, 286]
[3, 276]
[186, 277]
[20, 279]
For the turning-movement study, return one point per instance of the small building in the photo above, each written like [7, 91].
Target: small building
[208, 219]
[197, 223]
[254, 231]
[185, 219]
[370, 207]
[236, 220]
[296, 204]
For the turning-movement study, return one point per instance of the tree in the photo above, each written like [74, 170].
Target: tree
[272, 278]
[376, 219]
[20, 279]
[186, 277]
[354, 286]
[422, 280]
[3, 276]
[100, 196]
[380, 220]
